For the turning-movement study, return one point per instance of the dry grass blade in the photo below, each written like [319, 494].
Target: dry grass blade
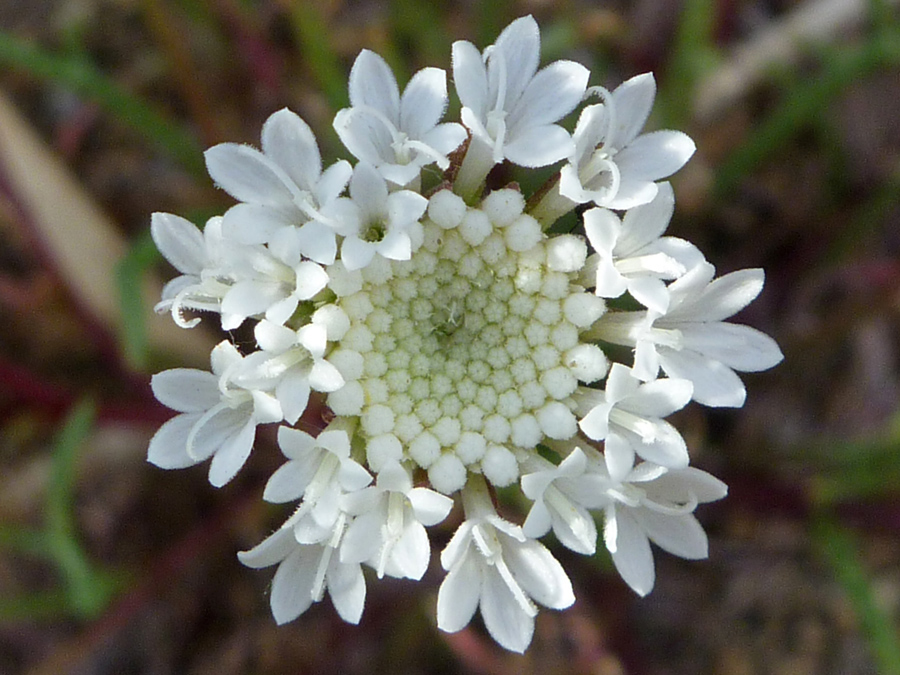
[78, 239]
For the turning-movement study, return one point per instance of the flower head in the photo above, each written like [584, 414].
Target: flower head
[458, 343]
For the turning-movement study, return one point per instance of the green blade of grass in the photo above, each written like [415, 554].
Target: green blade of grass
[693, 55]
[86, 80]
[840, 550]
[805, 101]
[129, 277]
[312, 34]
[88, 591]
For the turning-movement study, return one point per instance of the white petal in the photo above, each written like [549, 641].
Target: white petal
[353, 476]
[539, 520]
[186, 389]
[618, 452]
[332, 182]
[656, 155]
[405, 206]
[356, 253]
[423, 102]
[217, 430]
[685, 484]
[445, 137]
[633, 558]
[646, 223]
[651, 292]
[632, 192]
[470, 77]
[249, 297]
[372, 84]
[256, 223]
[168, 447]
[679, 535]
[317, 242]
[369, 191]
[520, 44]
[325, 377]
[659, 398]
[715, 384]
[552, 94]
[287, 483]
[247, 175]
[507, 622]
[362, 540]
[603, 229]
[723, 297]
[232, 455]
[632, 100]
[365, 136]
[596, 423]
[180, 242]
[292, 584]
[540, 574]
[271, 550]
[429, 507]
[295, 443]
[289, 142]
[539, 146]
[740, 347]
[458, 595]
[577, 533]
[347, 588]
[412, 551]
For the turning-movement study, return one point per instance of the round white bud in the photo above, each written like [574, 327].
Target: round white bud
[523, 233]
[333, 319]
[587, 362]
[475, 227]
[425, 449]
[583, 309]
[557, 421]
[526, 432]
[446, 209]
[470, 447]
[342, 281]
[348, 400]
[566, 253]
[447, 474]
[503, 206]
[381, 449]
[499, 465]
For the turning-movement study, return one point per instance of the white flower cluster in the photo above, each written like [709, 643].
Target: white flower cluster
[459, 346]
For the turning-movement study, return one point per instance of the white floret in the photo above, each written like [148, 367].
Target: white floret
[382, 449]
[566, 253]
[587, 362]
[350, 363]
[526, 432]
[447, 474]
[583, 309]
[557, 421]
[523, 233]
[425, 449]
[348, 400]
[342, 281]
[334, 320]
[470, 447]
[503, 206]
[446, 209]
[499, 465]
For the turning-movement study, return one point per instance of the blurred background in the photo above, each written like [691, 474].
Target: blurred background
[110, 565]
